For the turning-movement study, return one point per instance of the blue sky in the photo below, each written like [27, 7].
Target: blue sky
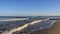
[29, 7]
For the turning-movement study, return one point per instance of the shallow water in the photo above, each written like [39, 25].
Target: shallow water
[9, 25]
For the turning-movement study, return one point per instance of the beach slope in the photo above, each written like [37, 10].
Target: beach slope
[53, 30]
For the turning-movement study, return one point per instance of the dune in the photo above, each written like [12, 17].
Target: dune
[53, 30]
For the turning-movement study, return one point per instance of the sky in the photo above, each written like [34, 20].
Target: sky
[29, 7]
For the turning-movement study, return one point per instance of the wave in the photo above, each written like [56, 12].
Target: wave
[32, 24]
[20, 28]
[14, 19]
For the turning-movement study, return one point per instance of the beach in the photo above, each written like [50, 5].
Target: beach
[35, 26]
[55, 29]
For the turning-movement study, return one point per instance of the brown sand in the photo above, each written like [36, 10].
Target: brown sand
[54, 30]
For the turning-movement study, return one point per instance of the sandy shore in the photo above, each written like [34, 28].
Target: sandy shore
[54, 30]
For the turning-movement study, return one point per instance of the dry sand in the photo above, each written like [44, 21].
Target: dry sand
[54, 30]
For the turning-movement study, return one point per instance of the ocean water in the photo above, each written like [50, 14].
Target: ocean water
[18, 24]
[8, 25]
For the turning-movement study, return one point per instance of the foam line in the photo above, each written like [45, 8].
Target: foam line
[14, 19]
[21, 28]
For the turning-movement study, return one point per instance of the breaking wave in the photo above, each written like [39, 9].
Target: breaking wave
[14, 19]
[20, 28]
[35, 25]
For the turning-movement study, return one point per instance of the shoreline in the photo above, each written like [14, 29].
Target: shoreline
[55, 29]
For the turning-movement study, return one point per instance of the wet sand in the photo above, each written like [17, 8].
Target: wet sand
[53, 30]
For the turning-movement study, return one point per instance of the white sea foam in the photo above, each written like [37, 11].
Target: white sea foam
[14, 19]
[21, 28]
[26, 25]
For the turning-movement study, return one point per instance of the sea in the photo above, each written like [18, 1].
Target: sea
[6, 24]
